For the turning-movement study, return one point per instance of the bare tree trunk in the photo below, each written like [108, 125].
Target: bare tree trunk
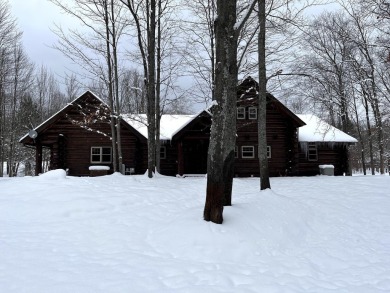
[262, 105]
[116, 87]
[379, 126]
[149, 65]
[362, 152]
[223, 131]
[110, 90]
[2, 128]
[151, 87]
[11, 153]
[369, 131]
[211, 8]
[220, 157]
[158, 88]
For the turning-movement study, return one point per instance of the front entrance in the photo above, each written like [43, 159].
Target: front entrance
[195, 156]
[58, 156]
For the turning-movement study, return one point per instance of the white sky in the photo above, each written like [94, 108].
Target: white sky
[35, 18]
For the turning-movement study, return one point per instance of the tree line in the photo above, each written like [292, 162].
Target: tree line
[345, 60]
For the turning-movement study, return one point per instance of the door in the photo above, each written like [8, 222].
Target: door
[195, 156]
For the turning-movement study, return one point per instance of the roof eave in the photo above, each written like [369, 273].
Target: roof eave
[56, 115]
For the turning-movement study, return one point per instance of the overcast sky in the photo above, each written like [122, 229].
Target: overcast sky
[35, 18]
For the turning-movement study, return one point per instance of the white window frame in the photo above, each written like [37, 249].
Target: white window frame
[269, 152]
[163, 152]
[252, 115]
[247, 149]
[100, 161]
[312, 151]
[240, 113]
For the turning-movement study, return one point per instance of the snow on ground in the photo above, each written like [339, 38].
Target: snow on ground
[133, 234]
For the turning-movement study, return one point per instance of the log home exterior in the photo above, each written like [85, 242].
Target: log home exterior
[184, 141]
[321, 143]
[79, 137]
[282, 137]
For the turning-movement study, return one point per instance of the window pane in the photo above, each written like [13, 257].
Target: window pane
[95, 158]
[106, 151]
[106, 158]
[95, 155]
[252, 113]
[162, 152]
[268, 151]
[101, 154]
[96, 151]
[248, 152]
[312, 154]
[240, 113]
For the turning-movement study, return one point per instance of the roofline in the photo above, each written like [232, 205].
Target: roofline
[350, 142]
[131, 128]
[189, 122]
[51, 119]
[287, 111]
[279, 104]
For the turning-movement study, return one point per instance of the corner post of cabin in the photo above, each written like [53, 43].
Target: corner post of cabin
[38, 158]
[349, 163]
[180, 159]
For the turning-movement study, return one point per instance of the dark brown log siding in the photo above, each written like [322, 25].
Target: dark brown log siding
[335, 154]
[168, 166]
[281, 137]
[194, 139]
[71, 143]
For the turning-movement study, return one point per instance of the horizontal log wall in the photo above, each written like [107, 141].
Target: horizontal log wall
[197, 132]
[78, 140]
[168, 166]
[335, 155]
[281, 137]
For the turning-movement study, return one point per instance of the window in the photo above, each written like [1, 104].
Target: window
[101, 155]
[312, 154]
[248, 152]
[252, 113]
[240, 113]
[268, 151]
[163, 152]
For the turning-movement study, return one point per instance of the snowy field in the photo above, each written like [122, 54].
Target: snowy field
[132, 234]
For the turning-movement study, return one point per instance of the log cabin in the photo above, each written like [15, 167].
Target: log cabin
[79, 136]
[79, 140]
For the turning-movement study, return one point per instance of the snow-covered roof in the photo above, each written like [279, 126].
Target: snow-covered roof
[169, 125]
[317, 130]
